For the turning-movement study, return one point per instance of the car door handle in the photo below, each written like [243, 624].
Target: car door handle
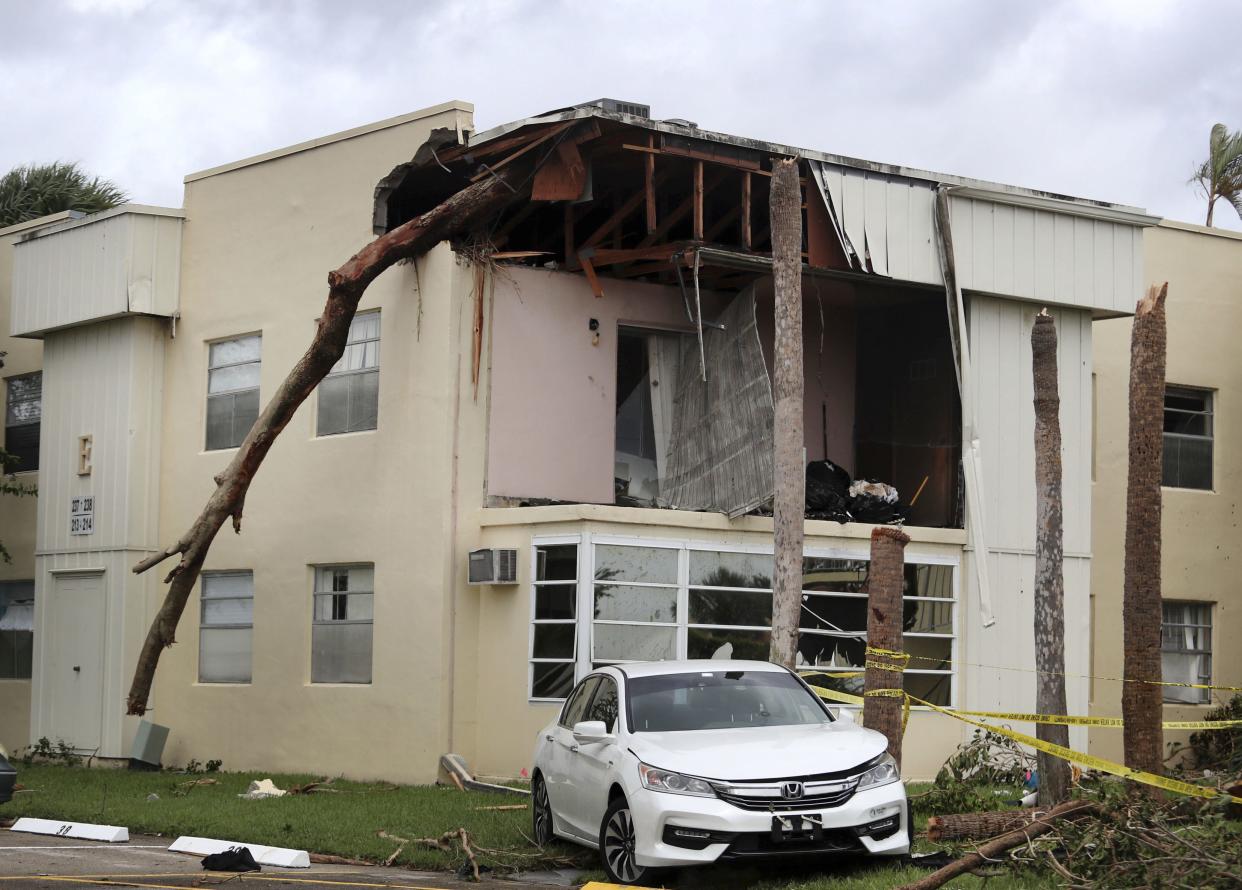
[548, 737]
[573, 748]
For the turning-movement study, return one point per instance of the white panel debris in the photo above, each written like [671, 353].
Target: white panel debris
[109, 834]
[884, 222]
[279, 857]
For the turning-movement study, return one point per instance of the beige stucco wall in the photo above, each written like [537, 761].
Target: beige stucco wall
[17, 515]
[259, 241]
[1200, 533]
[502, 740]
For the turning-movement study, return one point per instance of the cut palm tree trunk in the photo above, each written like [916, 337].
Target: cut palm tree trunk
[1041, 824]
[789, 500]
[1054, 773]
[1141, 696]
[885, 586]
[457, 214]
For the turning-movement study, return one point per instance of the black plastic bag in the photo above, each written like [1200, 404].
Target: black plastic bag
[232, 859]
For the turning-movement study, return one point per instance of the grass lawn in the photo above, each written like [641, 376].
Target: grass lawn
[346, 823]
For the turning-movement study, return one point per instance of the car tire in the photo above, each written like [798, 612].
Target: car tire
[616, 845]
[541, 812]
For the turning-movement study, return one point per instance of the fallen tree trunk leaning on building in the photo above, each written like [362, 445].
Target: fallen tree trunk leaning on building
[789, 503]
[1141, 696]
[1054, 773]
[1042, 824]
[457, 214]
[885, 614]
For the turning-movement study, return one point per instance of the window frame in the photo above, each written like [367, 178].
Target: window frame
[203, 625]
[334, 374]
[316, 569]
[576, 585]
[257, 389]
[1206, 653]
[1209, 398]
[586, 583]
[8, 404]
[16, 677]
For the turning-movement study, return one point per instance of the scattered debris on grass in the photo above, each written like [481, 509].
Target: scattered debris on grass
[261, 790]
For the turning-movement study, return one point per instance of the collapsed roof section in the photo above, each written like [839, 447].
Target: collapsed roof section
[617, 194]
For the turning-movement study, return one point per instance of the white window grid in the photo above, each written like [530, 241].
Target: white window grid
[576, 584]
[586, 584]
[339, 599]
[1208, 413]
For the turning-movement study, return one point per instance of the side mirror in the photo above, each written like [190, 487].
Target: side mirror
[845, 715]
[589, 731]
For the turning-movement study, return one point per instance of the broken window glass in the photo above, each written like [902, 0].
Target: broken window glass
[647, 364]
[554, 629]
[1187, 438]
[341, 628]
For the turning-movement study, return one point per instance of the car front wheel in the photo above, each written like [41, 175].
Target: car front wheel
[541, 812]
[616, 845]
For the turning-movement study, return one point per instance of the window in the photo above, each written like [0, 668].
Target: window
[1187, 438]
[349, 395]
[1186, 650]
[232, 390]
[554, 628]
[226, 628]
[16, 629]
[647, 369]
[605, 705]
[648, 603]
[576, 707]
[341, 632]
[23, 414]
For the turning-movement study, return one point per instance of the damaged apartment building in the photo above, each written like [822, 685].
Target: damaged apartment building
[549, 443]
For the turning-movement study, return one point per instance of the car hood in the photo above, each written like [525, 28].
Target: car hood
[760, 752]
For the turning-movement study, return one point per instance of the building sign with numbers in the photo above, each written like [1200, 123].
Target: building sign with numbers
[82, 515]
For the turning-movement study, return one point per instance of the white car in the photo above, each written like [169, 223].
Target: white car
[678, 763]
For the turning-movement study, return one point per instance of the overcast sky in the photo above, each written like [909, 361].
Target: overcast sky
[1109, 99]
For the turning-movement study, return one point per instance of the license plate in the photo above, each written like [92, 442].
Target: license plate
[801, 827]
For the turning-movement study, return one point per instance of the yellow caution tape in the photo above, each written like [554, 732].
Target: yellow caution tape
[1058, 719]
[1109, 722]
[995, 667]
[1089, 760]
[1069, 754]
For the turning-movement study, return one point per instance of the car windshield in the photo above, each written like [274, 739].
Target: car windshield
[720, 700]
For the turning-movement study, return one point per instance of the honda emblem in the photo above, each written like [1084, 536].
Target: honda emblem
[792, 790]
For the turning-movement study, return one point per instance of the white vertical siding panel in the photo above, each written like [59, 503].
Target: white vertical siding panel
[982, 246]
[1063, 255]
[1003, 249]
[875, 221]
[1103, 292]
[925, 265]
[854, 210]
[1045, 255]
[88, 272]
[961, 222]
[897, 196]
[1084, 266]
[1024, 251]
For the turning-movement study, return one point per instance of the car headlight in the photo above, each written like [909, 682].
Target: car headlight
[655, 779]
[883, 773]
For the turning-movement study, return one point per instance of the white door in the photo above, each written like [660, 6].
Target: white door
[75, 638]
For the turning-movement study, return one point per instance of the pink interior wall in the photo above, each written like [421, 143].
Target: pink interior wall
[830, 365]
[553, 392]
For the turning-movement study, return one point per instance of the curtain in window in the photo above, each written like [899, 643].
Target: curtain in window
[720, 449]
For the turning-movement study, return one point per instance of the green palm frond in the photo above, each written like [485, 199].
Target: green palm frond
[1220, 176]
[36, 190]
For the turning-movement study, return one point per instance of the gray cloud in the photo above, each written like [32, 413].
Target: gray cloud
[1109, 99]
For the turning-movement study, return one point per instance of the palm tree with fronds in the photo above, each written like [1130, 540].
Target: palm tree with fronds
[36, 190]
[1220, 176]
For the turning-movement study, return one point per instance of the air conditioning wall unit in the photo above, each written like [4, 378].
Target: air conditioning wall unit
[493, 566]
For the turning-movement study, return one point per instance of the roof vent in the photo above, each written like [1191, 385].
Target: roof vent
[616, 106]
